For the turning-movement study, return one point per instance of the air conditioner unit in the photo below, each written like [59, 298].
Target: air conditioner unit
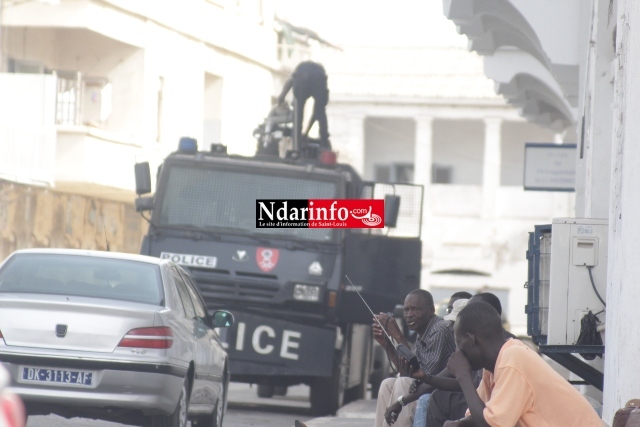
[567, 279]
[578, 275]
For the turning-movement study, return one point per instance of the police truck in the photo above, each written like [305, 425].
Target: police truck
[298, 318]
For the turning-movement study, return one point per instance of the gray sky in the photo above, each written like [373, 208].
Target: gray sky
[374, 22]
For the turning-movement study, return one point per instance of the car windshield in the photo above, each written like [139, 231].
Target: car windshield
[220, 199]
[84, 276]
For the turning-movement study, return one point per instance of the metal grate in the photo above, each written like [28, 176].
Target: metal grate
[410, 215]
[215, 285]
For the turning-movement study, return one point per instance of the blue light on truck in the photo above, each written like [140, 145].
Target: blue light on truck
[188, 145]
[306, 293]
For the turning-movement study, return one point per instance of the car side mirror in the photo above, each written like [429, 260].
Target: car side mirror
[222, 319]
[144, 204]
[143, 178]
[391, 210]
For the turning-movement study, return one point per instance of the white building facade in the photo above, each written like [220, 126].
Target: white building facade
[89, 88]
[575, 64]
[429, 116]
[117, 82]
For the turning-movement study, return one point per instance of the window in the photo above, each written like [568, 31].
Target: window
[189, 310]
[84, 276]
[15, 65]
[441, 174]
[212, 199]
[394, 172]
[212, 112]
[201, 310]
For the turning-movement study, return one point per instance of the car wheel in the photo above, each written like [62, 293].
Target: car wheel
[265, 391]
[280, 390]
[216, 417]
[179, 416]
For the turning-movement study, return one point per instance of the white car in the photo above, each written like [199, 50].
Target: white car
[111, 336]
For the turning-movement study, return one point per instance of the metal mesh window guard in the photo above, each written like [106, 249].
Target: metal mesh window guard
[410, 215]
[214, 199]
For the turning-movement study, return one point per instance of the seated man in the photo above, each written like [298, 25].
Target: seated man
[518, 387]
[457, 301]
[441, 395]
[434, 345]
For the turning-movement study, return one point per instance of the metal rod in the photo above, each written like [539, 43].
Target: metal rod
[371, 311]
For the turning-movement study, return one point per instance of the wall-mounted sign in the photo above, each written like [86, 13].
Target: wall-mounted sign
[549, 167]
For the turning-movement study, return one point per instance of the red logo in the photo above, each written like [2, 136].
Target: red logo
[267, 258]
[320, 213]
[346, 213]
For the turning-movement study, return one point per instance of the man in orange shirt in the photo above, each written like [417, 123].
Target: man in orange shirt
[518, 387]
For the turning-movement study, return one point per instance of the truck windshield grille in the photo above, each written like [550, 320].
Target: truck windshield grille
[214, 199]
[214, 286]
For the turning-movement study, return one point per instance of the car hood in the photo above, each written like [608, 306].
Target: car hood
[28, 320]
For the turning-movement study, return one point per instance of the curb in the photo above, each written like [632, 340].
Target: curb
[360, 413]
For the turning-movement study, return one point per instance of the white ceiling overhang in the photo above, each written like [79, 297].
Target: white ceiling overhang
[528, 85]
[531, 51]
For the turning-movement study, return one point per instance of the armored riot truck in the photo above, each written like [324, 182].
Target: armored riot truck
[298, 320]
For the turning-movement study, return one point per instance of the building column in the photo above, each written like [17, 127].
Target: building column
[422, 165]
[622, 341]
[356, 141]
[422, 150]
[491, 165]
[422, 176]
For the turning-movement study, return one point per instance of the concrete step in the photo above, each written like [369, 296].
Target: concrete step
[360, 413]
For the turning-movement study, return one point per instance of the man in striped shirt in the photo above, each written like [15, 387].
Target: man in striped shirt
[434, 345]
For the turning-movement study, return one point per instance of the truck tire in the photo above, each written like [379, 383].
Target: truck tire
[359, 391]
[280, 390]
[265, 391]
[380, 369]
[327, 393]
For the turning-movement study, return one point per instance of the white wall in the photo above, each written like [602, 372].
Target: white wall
[135, 46]
[514, 136]
[27, 132]
[388, 140]
[622, 341]
[460, 143]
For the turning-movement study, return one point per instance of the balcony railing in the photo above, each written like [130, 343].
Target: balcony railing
[69, 98]
[82, 100]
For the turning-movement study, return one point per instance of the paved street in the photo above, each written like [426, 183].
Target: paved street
[245, 410]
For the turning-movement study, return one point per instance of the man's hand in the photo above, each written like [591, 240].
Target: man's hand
[459, 364]
[378, 335]
[414, 386]
[404, 367]
[389, 324]
[392, 412]
[455, 423]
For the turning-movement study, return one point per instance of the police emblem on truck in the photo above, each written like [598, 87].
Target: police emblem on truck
[267, 258]
[200, 261]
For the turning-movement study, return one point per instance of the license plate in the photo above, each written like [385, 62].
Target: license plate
[46, 375]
